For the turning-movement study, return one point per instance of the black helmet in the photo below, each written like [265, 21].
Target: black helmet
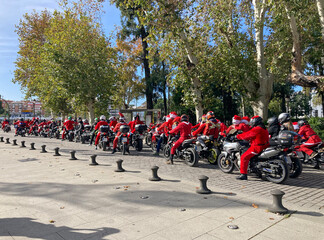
[21, 119]
[273, 121]
[184, 117]
[302, 122]
[255, 121]
[283, 117]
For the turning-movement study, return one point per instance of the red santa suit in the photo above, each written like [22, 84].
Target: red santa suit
[100, 123]
[185, 133]
[312, 138]
[236, 121]
[68, 126]
[116, 129]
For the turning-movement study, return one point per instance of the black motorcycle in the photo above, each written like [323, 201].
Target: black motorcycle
[185, 151]
[137, 136]
[7, 128]
[271, 163]
[315, 162]
[211, 153]
[54, 132]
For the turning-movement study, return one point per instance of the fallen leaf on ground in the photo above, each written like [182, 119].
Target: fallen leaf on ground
[125, 189]
[225, 197]
[267, 210]
[254, 205]
[61, 207]
[271, 218]
[52, 221]
[243, 186]
[197, 187]
[231, 218]
[126, 186]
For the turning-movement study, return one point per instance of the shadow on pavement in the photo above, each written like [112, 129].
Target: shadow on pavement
[28, 227]
[314, 214]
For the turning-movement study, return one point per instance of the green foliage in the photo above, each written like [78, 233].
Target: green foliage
[317, 124]
[300, 104]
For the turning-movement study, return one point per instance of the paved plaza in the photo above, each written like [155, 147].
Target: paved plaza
[51, 197]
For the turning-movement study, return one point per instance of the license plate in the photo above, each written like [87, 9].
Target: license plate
[124, 140]
[104, 139]
[141, 136]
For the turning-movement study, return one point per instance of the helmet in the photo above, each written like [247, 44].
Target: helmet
[302, 122]
[273, 121]
[283, 117]
[70, 118]
[21, 119]
[44, 120]
[184, 117]
[236, 120]
[255, 121]
[112, 118]
[210, 115]
[137, 117]
[121, 119]
[96, 119]
[245, 120]
[102, 118]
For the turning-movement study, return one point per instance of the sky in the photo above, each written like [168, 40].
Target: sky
[11, 11]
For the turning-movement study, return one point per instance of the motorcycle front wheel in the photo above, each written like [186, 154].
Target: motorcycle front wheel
[280, 172]
[213, 155]
[104, 146]
[296, 168]
[167, 151]
[139, 145]
[225, 164]
[191, 157]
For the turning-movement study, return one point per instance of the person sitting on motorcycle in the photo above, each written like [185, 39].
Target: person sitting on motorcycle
[113, 122]
[273, 127]
[68, 126]
[102, 122]
[202, 125]
[259, 140]
[185, 133]
[172, 115]
[296, 127]
[312, 139]
[79, 126]
[236, 122]
[4, 123]
[116, 130]
[285, 122]
[20, 124]
[200, 121]
[211, 130]
[93, 132]
[163, 130]
[42, 125]
[136, 121]
[222, 128]
[85, 122]
[243, 126]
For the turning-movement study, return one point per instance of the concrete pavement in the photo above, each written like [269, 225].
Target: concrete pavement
[47, 197]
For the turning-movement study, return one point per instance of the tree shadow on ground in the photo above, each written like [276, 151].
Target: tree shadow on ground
[29, 228]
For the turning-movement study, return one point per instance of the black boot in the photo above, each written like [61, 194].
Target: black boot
[113, 151]
[170, 161]
[242, 177]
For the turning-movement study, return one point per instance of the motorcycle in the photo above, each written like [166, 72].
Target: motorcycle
[54, 132]
[271, 163]
[34, 131]
[21, 130]
[316, 161]
[123, 140]
[86, 134]
[212, 152]
[7, 128]
[186, 151]
[137, 136]
[44, 132]
[104, 137]
[148, 137]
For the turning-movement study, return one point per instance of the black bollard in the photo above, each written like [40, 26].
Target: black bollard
[155, 175]
[22, 144]
[57, 151]
[203, 185]
[277, 206]
[93, 160]
[32, 146]
[1, 139]
[119, 166]
[43, 149]
[73, 155]
[7, 141]
[14, 142]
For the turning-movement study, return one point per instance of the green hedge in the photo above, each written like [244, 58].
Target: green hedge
[317, 124]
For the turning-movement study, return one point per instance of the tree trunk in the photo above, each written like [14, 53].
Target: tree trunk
[91, 113]
[192, 63]
[264, 90]
[164, 90]
[320, 8]
[149, 87]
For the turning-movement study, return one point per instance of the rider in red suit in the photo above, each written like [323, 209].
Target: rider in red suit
[243, 126]
[4, 123]
[259, 140]
[116, 130]
[136, 121]
[312, 139]
[68, 126]
[185, 133]
[202, 120]
[102, 122]
[113, 122]
[210, 128]
[236, 121]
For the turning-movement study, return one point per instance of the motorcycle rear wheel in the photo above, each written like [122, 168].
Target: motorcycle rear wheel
[226, 165]
[296, 168]
[104, 146]
[213, 155]
[192, 158]
[281, 174]
[167, 151]
[139, 145]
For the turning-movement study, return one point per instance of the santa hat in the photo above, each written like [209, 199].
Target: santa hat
[203, 118]
[296, 126]
[236, 120]
[245, 120]
[173, 114]
[121, 115]
[167, 118]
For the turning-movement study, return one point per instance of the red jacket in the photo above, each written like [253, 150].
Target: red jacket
[132, 124]
[4, 123]
[232, 127]
[257, 136]
[116, 129]
[196, 126]
[211, 130]
[199, 130]
[112, 124]
[308, 133]
[69, 125]
[101, 123]
[184, 128]
[244, 127]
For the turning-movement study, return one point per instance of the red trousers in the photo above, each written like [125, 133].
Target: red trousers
[116, 140]
[177, 144]
[245, 158]
[97, 139]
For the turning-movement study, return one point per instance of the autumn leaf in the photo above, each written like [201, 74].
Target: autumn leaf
[271, 218]
[231, 218]
[254, 205]
[52, 221]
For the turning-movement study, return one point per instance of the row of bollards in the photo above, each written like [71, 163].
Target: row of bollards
[277, 194]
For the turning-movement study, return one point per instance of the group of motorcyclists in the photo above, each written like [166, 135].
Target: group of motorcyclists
[208, 128]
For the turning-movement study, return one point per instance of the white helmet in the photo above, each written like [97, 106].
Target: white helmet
[102, 118]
